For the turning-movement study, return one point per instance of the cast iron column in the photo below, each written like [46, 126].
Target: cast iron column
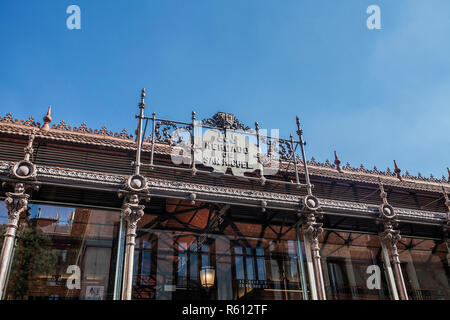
[22, 175]
[17, 204]
[312, 230]
[135, 189]
[390, 237]
[132, 212]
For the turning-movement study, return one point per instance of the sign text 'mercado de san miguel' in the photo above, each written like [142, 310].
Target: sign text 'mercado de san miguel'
[230, 150]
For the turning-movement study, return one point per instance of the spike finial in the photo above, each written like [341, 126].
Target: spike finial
[142, 103]
[29, 148]
[337, 162]
[397, 171]
[47, 119]
[299, 129]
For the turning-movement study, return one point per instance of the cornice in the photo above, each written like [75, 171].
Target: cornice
[123, 141]
[168, 188]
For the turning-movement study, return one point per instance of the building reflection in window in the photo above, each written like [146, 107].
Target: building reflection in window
[352, 266]
[250, 261]
[64, 253]
[425, 267]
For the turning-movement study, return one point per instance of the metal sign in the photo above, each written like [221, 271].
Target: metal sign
[231, 150]
[223, 144]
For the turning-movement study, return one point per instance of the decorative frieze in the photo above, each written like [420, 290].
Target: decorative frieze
[222, 193]
[62, 131]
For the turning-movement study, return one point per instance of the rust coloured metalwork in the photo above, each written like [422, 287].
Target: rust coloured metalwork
[397, 171]
[47, 119]
[391, 236]
[337, 162]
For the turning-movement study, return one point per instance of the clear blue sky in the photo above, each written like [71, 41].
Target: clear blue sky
[373, 95]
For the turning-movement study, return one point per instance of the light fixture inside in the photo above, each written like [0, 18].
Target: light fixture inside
[207, 276]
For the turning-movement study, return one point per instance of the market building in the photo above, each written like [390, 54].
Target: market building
[209, 209]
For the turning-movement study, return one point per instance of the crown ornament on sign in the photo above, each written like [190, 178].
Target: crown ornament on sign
[225, 120]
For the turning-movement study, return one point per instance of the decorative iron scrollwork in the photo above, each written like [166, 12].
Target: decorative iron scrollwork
[286, 150]
[168, 132]
[223, 120]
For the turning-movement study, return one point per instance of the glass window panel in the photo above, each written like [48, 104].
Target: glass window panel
[239, 267]
[425, 268]
[205, 260]
[261, 269]
[250, 268]
[194, 266]
[64, 253]
[274, 270]
[246, 262]
[352, 266]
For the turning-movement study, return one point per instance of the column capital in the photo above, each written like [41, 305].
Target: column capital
[17, 201]
[134, 190]
[132, 211]
[389, 234]
[310, 227]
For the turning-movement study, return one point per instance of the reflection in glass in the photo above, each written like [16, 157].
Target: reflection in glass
[250, 261]
[425, 268]
[64, 253]
[352, 266]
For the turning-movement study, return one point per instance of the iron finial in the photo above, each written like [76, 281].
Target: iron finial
[337, 162]
[47, 119]
[397, 171]
[299, 129]
[142, 103]
[29, 148]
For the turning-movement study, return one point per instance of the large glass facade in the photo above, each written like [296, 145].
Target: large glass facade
[244, 260]
[352, 266]
[425, 267]
[192, 251]
[64, 253]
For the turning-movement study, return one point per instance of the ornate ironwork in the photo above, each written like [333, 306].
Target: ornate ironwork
[167, 132]
[286, 150]
[103, 132]
[223, 120]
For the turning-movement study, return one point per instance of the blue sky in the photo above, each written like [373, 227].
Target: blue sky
[372, 95]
